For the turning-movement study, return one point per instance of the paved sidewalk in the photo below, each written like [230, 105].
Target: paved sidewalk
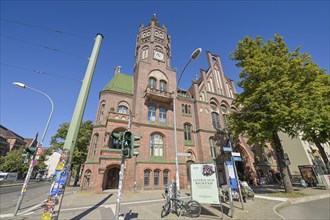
[148, 205]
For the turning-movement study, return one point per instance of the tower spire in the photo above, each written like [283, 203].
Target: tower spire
[155, 20]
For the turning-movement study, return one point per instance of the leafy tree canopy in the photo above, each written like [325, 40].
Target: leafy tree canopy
[81, 148]
[14, 162]
[283, 91]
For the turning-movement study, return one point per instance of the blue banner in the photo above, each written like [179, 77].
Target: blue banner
[231, 176]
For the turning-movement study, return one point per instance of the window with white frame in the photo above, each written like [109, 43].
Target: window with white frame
[151, 113]
[156, 145]
[187, 132]
[162, 115]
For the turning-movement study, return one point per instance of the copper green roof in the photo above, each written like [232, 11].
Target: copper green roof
[120, 83]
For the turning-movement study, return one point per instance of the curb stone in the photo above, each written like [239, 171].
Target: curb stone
[297, 201]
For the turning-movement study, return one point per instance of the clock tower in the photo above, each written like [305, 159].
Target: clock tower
[153, 77]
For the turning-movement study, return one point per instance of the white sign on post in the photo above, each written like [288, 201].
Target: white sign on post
[204, 184]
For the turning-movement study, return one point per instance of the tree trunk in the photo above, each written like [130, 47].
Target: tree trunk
[323, 154]
[76, 179]
[281, 162]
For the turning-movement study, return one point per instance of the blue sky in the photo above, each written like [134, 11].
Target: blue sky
[27, 30]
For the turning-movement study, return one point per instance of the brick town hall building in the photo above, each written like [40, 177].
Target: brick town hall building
[148, 95]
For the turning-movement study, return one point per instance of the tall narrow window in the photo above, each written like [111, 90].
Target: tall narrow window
[163, 86]
[145, 52]
[215, 120]
[152, 83]
[165, 177]
[224, 111]
[156, 178]
[162, 115]
[213, 148]
[187, 132]
[152, 113]
[183, 108]
[156, 145]
[146, 177]
[101, 111]
[94, 144]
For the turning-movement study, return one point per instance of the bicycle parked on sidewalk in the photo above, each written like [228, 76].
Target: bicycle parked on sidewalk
[189, 208]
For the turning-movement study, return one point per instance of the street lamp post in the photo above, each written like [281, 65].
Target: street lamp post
[28, 175]
[193, 56]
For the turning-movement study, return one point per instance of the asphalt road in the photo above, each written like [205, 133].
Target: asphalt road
[317, 209]
[35, 194]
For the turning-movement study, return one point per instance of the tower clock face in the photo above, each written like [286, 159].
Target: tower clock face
[158, 55]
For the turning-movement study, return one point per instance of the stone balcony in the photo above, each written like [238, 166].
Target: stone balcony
[158, 95]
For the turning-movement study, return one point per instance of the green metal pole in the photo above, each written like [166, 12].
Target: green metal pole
[64, 165]
[78, 113]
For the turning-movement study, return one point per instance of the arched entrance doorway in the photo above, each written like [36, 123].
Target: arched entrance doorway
[86, 180]
[112, 178]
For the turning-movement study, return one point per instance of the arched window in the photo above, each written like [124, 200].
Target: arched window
[166, 174]
[187, 132]
[225, 112]
[162, 115]
[215, 120]
[122, 107]
[94, 144]
[163, 85]
[101, 111]
[145, 52]
[152, 83]
[147, 178]
[151, 113]
[156, 178]
[156, 145]
[213, 148]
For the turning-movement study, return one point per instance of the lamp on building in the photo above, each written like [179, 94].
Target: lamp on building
[193, 56]
[28, 175]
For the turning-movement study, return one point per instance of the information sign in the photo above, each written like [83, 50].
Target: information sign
[204, 183]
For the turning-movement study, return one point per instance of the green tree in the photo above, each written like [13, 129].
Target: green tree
[14, 162]
[313, 114]
[274, 82]
[81, 148]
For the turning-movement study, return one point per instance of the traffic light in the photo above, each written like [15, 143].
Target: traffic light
[126, 144]
[31, 150]
[117, 136]
[134, 145]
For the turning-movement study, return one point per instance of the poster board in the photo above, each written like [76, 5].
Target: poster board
[204, 184]
[308, 174]
[231, 176]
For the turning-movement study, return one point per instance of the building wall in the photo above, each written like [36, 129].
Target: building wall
[301, 153]
[51, 163]
[210, 93]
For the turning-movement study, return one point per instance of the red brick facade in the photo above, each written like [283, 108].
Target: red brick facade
[199, 111]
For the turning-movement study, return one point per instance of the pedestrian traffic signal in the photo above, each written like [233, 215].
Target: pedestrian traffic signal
[134, 145]
[117, 136]
[126, 144]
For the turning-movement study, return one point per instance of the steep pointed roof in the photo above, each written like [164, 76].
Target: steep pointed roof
[155, 20]
[120, 83]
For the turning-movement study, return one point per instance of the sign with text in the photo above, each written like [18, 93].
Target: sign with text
[204, 184]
